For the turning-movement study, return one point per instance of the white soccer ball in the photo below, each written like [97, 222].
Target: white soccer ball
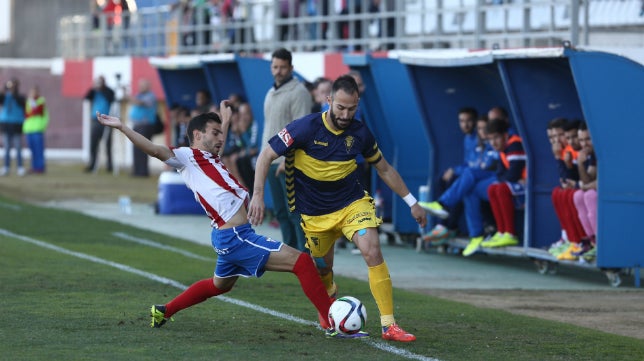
[347, 315]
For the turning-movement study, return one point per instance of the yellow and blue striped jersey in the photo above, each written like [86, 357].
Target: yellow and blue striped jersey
[321, 170]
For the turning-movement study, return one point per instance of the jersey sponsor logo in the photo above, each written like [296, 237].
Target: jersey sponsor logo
[285, 136]
[324, 144]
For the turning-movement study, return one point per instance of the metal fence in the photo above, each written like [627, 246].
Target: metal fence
[263, 25]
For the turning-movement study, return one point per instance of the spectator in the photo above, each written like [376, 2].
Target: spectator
[250, 139]
[180, 117]
[470, 187]
[36, 121]
[352, 29]
[12, 116]
[288, 9]
[585, 197]
[477, 155]
[101, 98]
[203, 102]
[508, 192]
[285, 101]
[563, 196]
[321, 94]
[234, 143]
[142, 114]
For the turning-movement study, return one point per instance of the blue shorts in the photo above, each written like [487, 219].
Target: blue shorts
[241, 251]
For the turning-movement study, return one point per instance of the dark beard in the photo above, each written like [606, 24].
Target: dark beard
[334, 120]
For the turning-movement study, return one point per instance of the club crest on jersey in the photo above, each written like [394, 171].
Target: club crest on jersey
[348, 143]
[285, 136]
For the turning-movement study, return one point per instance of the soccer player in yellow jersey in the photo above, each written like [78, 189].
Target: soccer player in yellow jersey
[323, 185]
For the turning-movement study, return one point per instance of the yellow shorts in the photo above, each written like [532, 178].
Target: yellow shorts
[322, 231]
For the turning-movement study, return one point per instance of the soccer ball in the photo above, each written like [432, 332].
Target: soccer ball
[347, 315]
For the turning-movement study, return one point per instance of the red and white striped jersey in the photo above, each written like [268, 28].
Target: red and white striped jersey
[218, 192]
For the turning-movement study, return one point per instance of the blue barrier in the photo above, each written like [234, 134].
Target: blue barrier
[610, 89]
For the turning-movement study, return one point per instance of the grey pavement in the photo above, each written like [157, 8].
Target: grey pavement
[409, 269]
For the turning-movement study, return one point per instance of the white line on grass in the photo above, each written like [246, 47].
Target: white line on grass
[379, 345]
[147, 242]
[10, 206]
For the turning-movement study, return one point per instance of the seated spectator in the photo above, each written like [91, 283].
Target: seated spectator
[585, 197]
[474, 154]
[508, 192]
[179, 118]
[570, 245]
[470, 188]
[203, 102]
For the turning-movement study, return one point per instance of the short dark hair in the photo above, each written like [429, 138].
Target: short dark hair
[199, 122]
[572, 125]
[283, 54]
[346, 83]
[497, 126]
[557, 123]
[583, 126]
[469, 111]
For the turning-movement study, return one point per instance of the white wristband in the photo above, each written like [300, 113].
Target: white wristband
[410, 199]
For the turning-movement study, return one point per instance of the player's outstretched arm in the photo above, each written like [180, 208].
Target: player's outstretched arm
[160, 152]
[392, 178]
[256, 206]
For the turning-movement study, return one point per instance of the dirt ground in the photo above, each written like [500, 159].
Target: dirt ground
[615, 310]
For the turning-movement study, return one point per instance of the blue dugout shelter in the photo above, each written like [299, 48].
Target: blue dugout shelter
[537, 85]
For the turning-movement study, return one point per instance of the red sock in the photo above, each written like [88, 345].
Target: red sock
[492, 191]
[311, 283]
[197, 293]
[507, 207]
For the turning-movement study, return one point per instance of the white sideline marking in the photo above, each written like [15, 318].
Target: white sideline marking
[147, 242]
[10, 206]
[376, 344]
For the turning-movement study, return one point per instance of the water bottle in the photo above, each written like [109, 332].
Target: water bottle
[125, 204]
[423, 193]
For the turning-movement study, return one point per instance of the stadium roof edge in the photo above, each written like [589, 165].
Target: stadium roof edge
[188, 61]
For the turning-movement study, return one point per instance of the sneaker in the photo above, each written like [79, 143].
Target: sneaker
[558, 247]
[332, 333]
[21, 172]
[590, 255]
[585, 247]
[474, 244]
[438, 232]
[568, 255]
[505, 240]
[4, 171]
[356, 251]
[439, 242]
[435, 209]
[158, 316]
[394, 333]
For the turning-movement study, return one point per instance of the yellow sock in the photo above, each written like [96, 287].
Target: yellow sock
[381, 289]
[330, 286]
